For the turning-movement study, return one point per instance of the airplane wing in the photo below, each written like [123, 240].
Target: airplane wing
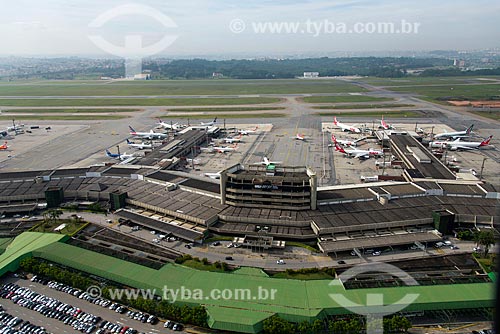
[361, 155]
[460, 147]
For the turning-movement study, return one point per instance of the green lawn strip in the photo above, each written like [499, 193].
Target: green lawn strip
[346, 98]
[46, 111]
[255, 115]
[365, 106]
[135, 102]
[64, 117]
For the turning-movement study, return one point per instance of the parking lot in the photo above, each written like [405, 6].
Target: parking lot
[62, 309]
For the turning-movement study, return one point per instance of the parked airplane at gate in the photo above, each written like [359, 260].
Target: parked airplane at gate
[169, 126]
[140, 146]
[460, 145]
[231, 140]
[266, 162]
[247, 132]
[360, 154]
[345, 142]
[346, 127]
[384, 125]
[455, 135]
[149, 135]
[212, 123]
[119, 156]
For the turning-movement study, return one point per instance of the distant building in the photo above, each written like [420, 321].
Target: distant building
[142, 76]
[311, 74]
[217, 75]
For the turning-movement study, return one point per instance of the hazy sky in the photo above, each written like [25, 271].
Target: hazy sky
[61, 27]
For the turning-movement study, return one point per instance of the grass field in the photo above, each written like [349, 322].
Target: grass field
[425, 80]
[225, 109]
[390, 113]
[365, 106]
[52, 117]
[221, 116]
[76, 111]
[489, 114]
[450, 92]
[175, 87]
[343, 99]
[134, 102]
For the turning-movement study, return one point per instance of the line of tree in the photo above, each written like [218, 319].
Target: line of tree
[162, 308]
[352, 325]
[485, 238]
[290, 68]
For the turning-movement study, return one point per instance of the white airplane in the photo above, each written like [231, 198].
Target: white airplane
[266, 162]
[346, 127]
[169, 126]
[231, 140]
[345, 142]
[213, 175]
[384, 125]
[212, 123]
[149, 135]
[360, 154]
[460, 145]
[455, 135]
[15, 127]
[119, 156]
[140, 146]
[224, 149]
[247, 132]
[299, 136]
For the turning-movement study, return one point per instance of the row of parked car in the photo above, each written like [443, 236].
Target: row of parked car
[50, 307]
[118, 308]
[10, 324]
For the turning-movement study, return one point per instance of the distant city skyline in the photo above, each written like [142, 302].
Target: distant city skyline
[287, 27]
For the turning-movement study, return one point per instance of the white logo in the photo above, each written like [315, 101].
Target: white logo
[374, 310]
[133, 48]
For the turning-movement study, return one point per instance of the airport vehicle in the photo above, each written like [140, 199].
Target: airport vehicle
[345, 142]
[360, 154]
[149, 135]
[231, 140]
[460, 145]
[15, 127]
[140, 146]
[346, 127]
[212, 123]
[384, 125]
[247, 132]
[118, 156]
[4, 146]
[193, 161]
[266, 162]
[169, 126]
[455, 135]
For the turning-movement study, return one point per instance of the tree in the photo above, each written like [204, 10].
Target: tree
[276, 325]
[486, 239]
[54, 214]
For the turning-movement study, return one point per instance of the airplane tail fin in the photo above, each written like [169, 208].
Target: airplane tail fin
[469, 129]
[486, 142]
[131, 129]
[335, 120]
[339, 148]
[128, 141]
[108, 153]
[334, 139]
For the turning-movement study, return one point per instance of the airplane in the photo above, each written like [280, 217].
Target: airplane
[224, 149]
[266, 162]
[346, 127]
[247, 132]
[455, 135]
[345, 142]
[384, 125]
[213, 175]
[4, 146]
[460, 145]
[231, 140]
[169, 126]
[149, 135]
[140, 146]
[118, 156]
[212, 123]
[360, 154]
[299, 137]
